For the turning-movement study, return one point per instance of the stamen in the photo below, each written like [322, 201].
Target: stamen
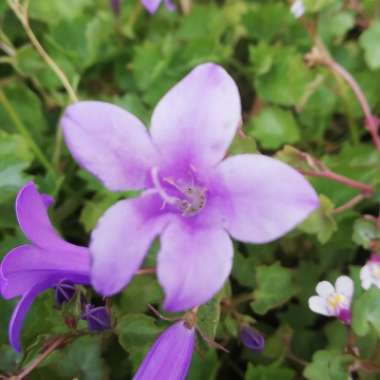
[164, 195]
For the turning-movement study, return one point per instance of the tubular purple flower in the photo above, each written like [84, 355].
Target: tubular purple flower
[170, 356]
[192, 198]
[152, 5]
[29, 269]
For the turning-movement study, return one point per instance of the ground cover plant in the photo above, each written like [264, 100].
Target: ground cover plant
[190, 189]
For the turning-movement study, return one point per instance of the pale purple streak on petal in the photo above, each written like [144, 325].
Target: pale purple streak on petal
[20, 311]
[170, 6]
[121, 239]
[151, 5]
[34, 221]
[26, 265]
[261, 198]
[170, 356]
[110, 143]
[196, 120]
[193, 264]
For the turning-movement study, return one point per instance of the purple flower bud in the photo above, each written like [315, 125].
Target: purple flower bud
[115, 5]
[64, 291]
[251, 338]
[345, 316]
[98, 318]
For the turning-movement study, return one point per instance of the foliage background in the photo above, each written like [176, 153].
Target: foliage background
[132, 60]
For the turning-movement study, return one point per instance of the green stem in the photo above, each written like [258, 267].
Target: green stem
[25, 133]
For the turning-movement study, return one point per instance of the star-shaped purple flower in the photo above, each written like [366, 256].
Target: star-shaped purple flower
[170, 355]
[193, 198]
[29, 269]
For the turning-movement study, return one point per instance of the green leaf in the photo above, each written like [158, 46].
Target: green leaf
[328, 365]
[15, 157]
[366, 312]
[204, 367]
[321, 222]
[136, 333]
[95, 208]
[208, 314]
[82, 359]
[268, 373]
[370, 42]
[365, 232]
[274, 127]
[336, 25]
[274, 287]
[285, 83]
[142, 290]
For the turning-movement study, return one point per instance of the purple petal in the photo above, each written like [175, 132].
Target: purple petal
[31, 211]
[193, 264]
[110, 143]
[170, 6]
[121, 239]
[264, 198]
[197, 119]
[27, 265]
[20, 311]
[170, 356]
[151, 5]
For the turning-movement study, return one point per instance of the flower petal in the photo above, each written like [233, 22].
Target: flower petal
[318, 305]
[27, 265]
[262, 198]
[193, 264]
[324, 289]
[110, 143]
[366, 277]
[34, 220]
[197, 119]
[344, 285]
[121, 239]
[170, 356]
[19, 314]
[151, 5]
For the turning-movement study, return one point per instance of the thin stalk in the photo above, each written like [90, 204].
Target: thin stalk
[362, 187]
[22, 14]
[25, 133]
[40, 358]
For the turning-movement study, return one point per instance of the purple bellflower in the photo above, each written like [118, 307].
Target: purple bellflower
[192, 198]
[170, 356]
[152, 5]
[29, 269]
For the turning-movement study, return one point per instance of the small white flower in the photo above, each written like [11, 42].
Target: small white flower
[370, 273]
[334, 301]
[297, 9]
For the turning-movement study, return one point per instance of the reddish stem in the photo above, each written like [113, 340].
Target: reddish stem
[362, 187]
[371, 121]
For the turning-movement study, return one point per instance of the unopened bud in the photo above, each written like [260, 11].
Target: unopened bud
[251, 338]
[98, 318]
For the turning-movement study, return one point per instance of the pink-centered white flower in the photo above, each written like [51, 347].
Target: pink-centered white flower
[334, 301]
[370, 273]
[192, 197]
